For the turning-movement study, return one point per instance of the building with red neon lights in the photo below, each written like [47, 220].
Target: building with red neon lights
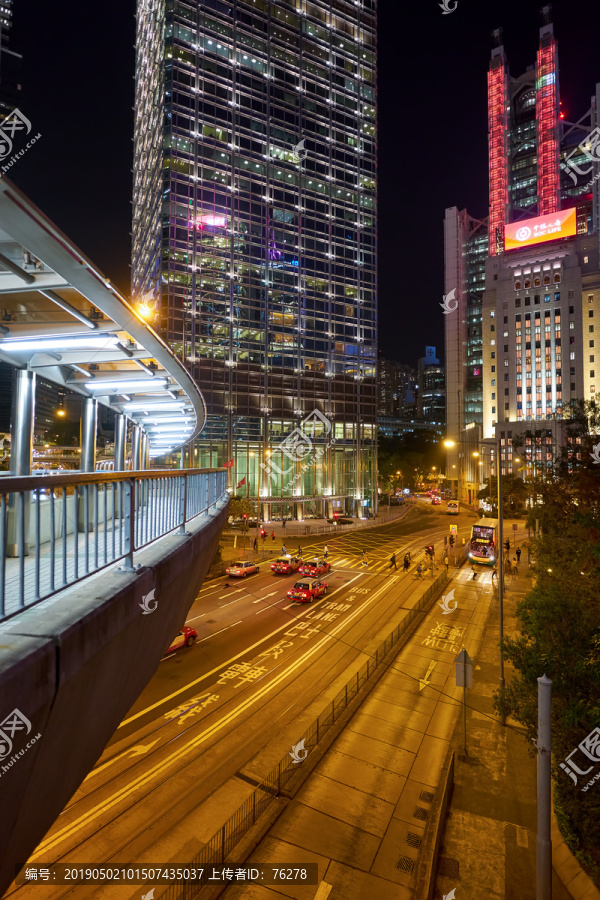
[521, 345]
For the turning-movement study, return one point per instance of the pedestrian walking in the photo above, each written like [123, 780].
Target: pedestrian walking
[446, 563]
[406, 564]
[515, 565]
[365, 561]
[273, 536]
[283, 550]
[494, 573]
[419, 571]
[283, 523]
[299, 551]
[326, 552]
[393, 562]
[255, 545]
[518, 554]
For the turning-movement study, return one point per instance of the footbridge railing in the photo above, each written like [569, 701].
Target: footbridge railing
[56, 530]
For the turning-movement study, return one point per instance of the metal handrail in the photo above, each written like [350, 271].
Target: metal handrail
[56, 530]
[15, 484]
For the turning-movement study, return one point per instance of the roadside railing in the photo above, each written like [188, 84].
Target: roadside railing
[57, 529]
[216, 851]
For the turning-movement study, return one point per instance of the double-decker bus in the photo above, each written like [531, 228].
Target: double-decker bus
[484, 542]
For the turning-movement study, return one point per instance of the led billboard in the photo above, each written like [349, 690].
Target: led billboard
[543, 228]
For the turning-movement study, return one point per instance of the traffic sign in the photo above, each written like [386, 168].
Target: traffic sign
[514, 526]
[464, 669]
[453, 530]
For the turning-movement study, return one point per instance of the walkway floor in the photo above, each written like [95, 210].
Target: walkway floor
[60, 563]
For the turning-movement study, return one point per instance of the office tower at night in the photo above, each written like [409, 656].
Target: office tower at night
[431, 397]
[254, 232]
[465, 252]
[11, 63]
[540, 300]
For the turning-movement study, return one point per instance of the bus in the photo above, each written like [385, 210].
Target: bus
[484, 542]
[452, 508]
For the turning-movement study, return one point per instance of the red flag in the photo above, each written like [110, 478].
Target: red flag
[243, 481]
[228, 465]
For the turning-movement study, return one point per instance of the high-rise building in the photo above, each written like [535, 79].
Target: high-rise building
[254, 233]
[465, 250]
[396, 385]
[541, 280]
[10, 63]
[431, 398]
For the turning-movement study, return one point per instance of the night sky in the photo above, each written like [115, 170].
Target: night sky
[78, 92]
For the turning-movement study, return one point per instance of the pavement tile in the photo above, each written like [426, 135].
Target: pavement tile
[281, 853]
[410, 801]
[393, 846]
[428, 764]
[394, 733]
[442, 723]
[351, 884]
[346, 804]
[377, 752]
[362, 775]
[478, 844]
[319, 833]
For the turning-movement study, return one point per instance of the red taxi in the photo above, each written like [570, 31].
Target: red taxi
[306, 590]
[315, 567]
[285, 565]
[185, 638]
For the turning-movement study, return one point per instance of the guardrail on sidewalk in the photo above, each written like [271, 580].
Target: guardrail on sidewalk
[64, 527]
[225, 840]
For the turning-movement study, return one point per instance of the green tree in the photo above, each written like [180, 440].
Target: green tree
[560, 634]
[514, 494]
[239, 507]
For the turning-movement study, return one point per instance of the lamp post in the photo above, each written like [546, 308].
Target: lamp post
[449, 444]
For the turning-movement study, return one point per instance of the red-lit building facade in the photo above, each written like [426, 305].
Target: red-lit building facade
[531, 304]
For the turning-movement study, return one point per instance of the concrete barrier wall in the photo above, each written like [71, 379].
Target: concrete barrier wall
[74, 665]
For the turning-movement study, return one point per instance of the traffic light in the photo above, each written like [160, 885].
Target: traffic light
[507, 545]
[452, 540]
[245, 516]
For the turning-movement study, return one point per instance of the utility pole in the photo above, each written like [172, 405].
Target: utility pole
[500, 573]
[544, 795]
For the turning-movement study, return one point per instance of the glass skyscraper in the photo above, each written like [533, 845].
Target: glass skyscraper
[254, 233]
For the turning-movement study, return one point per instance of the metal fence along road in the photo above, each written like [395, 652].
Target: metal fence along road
[57, 529]
[225, 840]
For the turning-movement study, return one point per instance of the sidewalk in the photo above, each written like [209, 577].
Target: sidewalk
[489, 842]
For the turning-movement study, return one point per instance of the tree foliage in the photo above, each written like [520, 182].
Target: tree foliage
[410, 454]
[560, 631]
[514, 494]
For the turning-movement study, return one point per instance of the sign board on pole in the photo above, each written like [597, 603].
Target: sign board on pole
[464, 669]
[453, 530]
[514, 526]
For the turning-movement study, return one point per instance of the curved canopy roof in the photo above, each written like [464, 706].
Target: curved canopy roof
[60, 317]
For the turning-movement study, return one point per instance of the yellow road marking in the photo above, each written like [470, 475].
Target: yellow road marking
[195, 742]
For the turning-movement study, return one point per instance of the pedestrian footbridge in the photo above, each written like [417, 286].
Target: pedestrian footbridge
[82, 552]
